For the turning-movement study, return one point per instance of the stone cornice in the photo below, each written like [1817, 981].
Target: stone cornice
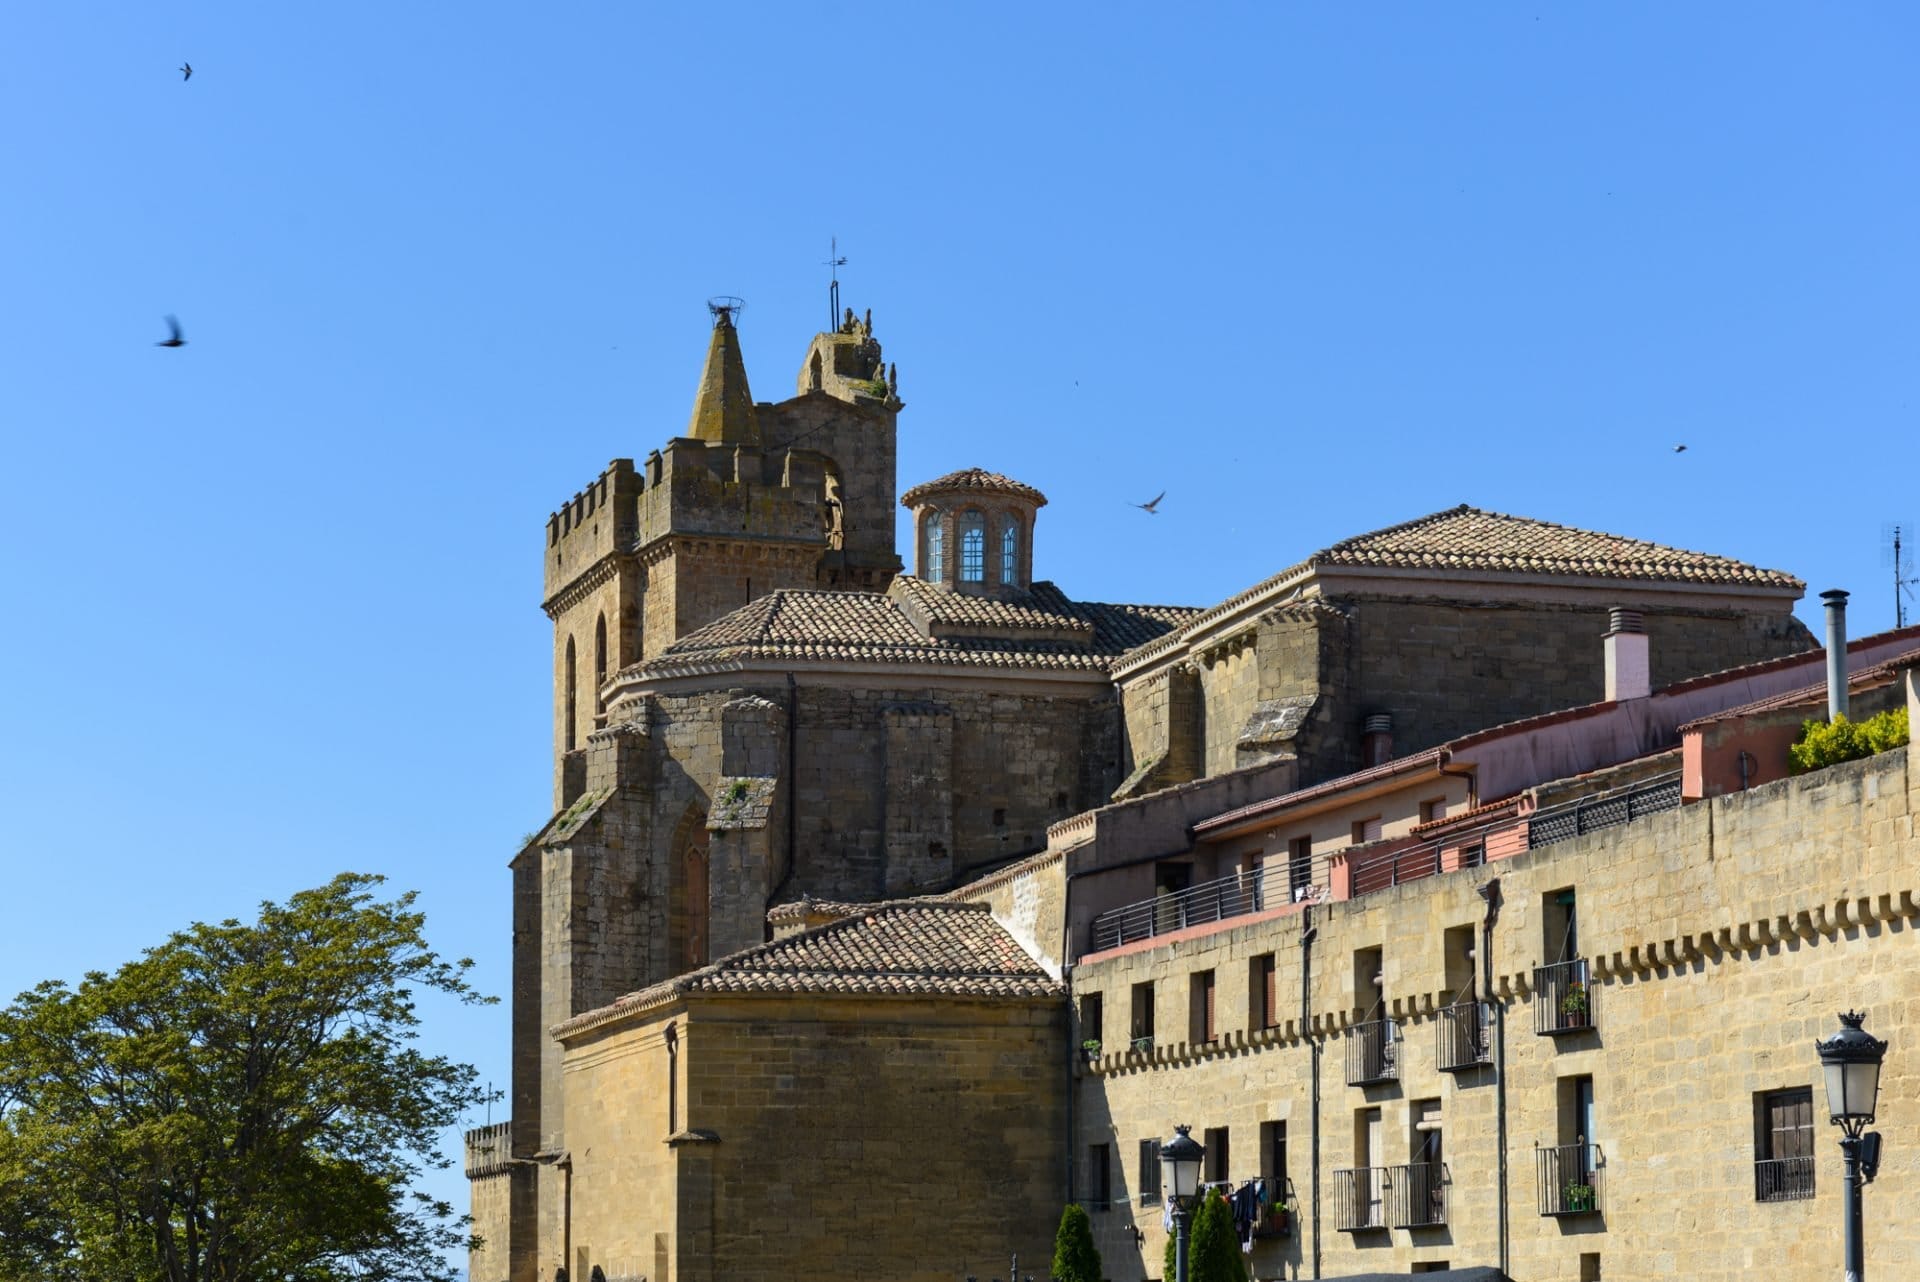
[595, 576]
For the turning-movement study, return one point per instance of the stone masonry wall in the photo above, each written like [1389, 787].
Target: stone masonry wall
[1722, 938]
[1444, 669]
[787, 1172]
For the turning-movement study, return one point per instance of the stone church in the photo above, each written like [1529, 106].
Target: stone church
[777, 754]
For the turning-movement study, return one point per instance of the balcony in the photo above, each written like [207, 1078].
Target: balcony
[1373, 1053]
[1607, 810]
[1783, 1179]
[1417, 1195]
[1569, 1179]
[1465, 1034]
[1210, 901]
[1562, 999]
[1359, 1199]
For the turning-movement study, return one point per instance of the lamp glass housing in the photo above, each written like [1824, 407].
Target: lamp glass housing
[1850, 1060]
[1180, 1159]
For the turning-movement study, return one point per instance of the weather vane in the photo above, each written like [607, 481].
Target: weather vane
[835, 261]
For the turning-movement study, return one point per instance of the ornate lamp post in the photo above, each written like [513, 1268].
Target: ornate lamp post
[1851, 1059]
[1180, 1178]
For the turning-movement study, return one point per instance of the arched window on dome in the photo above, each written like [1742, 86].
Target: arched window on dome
[936, 546]
[1009, 550]
[973, 547]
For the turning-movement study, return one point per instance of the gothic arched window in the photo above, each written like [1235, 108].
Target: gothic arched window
[1009, 550]
[936, 546]
[973, 547]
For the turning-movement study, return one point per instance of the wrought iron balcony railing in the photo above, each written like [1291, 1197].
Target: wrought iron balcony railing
[1417, 1195]
[1373, 1053]
[1783, 1179]
[1359, 1199]
[1562, 999]
[1569, 1179]
[1465, 1034]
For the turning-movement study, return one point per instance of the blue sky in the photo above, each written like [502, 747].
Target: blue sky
[1310, 269]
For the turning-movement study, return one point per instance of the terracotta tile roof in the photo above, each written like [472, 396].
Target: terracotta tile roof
[864, 627]
[1469, 539]
[1815, 695]
[972, 479]
[1466, 538]
[913, 946]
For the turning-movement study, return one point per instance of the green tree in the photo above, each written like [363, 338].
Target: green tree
[241, 1103]
[1213, 1252]
[1075, 1258]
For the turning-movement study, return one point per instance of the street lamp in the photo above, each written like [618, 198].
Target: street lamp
[1180, 1176]
[1851, 1059]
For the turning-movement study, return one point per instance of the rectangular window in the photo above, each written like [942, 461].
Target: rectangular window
[1783, 1159]
[1099, 1176]
[1263, 1004]
[1149, 1173]
[1219, 1158]
[1273, 1158]
[1090, 1018]
[1299, 867]
[1365, 830]
[1200, 1025]
[1433, 808]
[1142, 1023]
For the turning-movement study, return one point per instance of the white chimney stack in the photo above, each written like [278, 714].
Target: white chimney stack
[1628, 673]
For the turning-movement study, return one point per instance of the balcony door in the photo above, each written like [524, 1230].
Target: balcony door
[1375, 1173]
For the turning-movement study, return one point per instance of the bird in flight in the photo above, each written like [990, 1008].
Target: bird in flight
[186, 72]
[173, 339]
[1149, 506]
[1679, 449]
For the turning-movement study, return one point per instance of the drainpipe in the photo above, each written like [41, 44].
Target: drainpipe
[1491, 893]
[1836, 652]
[1313, 1046]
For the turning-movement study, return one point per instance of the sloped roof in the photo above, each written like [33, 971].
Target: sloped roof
[973, 478]
[863, 627]
[1468, 539]
[911, 946]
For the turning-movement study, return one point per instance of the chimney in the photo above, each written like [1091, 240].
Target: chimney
[1628, 676]
[1376, 739]
[1836, 652]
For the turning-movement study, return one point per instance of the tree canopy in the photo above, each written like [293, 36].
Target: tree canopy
[1213, 1251]
[241, 1103]
[1075, 1258]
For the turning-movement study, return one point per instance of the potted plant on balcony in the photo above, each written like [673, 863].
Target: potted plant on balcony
[1573, 1004]
[1143, 1045]
[1090, 1050]
[1579, 1197]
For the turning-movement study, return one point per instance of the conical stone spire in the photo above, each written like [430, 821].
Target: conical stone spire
[723, 407]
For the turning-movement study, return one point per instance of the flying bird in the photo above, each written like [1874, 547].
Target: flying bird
[186, 72]
[1679, 449]
[1149, 506]
[173, 339]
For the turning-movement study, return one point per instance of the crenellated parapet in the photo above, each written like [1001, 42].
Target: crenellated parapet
[694, 487]
[598, 521]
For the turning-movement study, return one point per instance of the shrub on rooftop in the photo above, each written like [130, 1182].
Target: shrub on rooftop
[1827, 743]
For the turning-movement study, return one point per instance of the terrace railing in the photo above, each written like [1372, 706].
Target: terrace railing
[1563, 999]
[1465, 1034]
[1417, 1195]
[1210, 901]
[1359, 1199]
[1590, 814]
[1568, 1179]
[1373, 1053]
[1783, 1179]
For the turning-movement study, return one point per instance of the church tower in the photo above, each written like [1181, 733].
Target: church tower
[755, 497]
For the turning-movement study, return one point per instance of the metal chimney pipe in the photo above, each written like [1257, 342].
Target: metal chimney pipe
[1836, 652]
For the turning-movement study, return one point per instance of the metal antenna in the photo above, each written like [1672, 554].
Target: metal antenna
[835, 261]
[1904, 577]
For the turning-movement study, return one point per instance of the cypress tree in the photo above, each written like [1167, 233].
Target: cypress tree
[1075, 1258]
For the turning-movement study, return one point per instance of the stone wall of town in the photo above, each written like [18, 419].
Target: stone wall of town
[780, 1166]
[1720, 940]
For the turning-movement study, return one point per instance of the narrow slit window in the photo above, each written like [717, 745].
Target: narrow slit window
[936, 548]
[1009, 550]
